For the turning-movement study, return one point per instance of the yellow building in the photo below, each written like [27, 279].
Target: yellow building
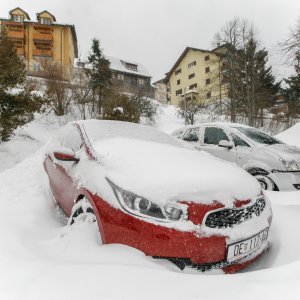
[197, 75]
[42, 41]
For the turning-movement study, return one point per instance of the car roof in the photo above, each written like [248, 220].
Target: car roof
[105, 129]
[220, 124]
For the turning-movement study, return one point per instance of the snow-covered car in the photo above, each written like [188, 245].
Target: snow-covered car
[273, 163]
[150, 191]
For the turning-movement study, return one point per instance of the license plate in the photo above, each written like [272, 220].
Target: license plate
[245, 247]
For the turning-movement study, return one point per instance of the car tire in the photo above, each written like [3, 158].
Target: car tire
[82, 211]
[264, 180]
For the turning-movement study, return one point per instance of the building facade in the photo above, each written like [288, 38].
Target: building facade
[42, 41]
[128, 77]
[162, 91]
[197, 76]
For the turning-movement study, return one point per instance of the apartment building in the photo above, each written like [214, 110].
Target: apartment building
[42, 41]
[129, 77]
[161, 90]
[197, 75]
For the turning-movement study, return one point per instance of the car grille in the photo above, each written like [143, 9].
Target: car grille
[224, 218]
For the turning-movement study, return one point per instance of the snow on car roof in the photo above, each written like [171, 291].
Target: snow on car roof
[222, 124]
[157, 166]
[102, 129]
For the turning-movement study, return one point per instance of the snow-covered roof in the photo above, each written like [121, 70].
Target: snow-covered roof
[118, 64]
[121, 65]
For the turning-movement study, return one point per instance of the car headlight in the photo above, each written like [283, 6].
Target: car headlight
[143, 207]
[291, 165]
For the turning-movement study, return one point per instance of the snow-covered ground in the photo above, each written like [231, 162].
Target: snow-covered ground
[41, 259]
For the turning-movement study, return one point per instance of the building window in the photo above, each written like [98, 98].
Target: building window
[17, 18]
[206, 69]
[178, 92]
[207, 81]
[178, 71]
[192, 75]
[193, 86]
[141, 81]
[80, 64]
[178, 81]
[131, 67]
[208, 95]
[36, 67]
[46, 21]
[206, 58]
[120, 77]
[190, 65]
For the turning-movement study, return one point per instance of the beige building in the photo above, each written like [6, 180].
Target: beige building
[161, 90]
[197, 75]
[42, 41]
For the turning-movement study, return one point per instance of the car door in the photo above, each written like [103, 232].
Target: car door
[63, 187]
[212, 135]
[243, 149]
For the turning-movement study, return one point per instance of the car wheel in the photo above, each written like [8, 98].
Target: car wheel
[82, 211]
[265, 182]
[262, 177]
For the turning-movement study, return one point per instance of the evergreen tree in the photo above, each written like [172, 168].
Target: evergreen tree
[99, 75]
[17, 103]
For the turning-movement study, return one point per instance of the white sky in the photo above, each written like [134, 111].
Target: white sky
[155, 32]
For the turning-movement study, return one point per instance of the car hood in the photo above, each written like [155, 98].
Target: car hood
[284, 151]
[165, 173]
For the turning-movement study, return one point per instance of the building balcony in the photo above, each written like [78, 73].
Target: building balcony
[20, 51]
[43, 28]
[16, 34]
[42, 52]
[16, 26]
[45, 37]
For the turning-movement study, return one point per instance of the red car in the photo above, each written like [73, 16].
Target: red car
[147, 190]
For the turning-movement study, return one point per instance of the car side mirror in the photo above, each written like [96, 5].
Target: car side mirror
[65, 154]
[225, 144]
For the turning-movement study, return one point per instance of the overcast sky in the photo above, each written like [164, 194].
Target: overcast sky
[155, 32]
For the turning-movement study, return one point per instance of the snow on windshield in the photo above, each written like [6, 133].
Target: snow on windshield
[258, 136]
[99, 130]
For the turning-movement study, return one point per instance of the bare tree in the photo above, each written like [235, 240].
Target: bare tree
[189, 109]
[291, 46]
[250, 83]
[58, 94]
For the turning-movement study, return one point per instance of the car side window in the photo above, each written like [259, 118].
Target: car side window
[213, 135]
[239, 141]
[191, 135]
[71, 138]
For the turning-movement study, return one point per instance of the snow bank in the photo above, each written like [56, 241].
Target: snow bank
[40, 259]
[291, 136]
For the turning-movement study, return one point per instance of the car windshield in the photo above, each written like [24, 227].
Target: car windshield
[258, 136]
[99, 130]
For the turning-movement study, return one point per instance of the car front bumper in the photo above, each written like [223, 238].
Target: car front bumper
[286, 180]
[157, 240]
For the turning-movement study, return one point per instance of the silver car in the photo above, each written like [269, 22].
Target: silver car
[275, 164]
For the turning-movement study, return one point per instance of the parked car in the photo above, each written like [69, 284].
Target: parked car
[150, 191]
[273, 163]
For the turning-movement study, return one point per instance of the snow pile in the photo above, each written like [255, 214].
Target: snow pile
[291, 136]
[40, 259]
[173, 173]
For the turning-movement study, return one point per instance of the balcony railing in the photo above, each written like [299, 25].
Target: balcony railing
[42, 27]
[42, 52]
[20, 51]
[16, 34]
[37, 36]
[14, 25]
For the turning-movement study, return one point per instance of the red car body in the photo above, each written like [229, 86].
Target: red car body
[117, 225]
